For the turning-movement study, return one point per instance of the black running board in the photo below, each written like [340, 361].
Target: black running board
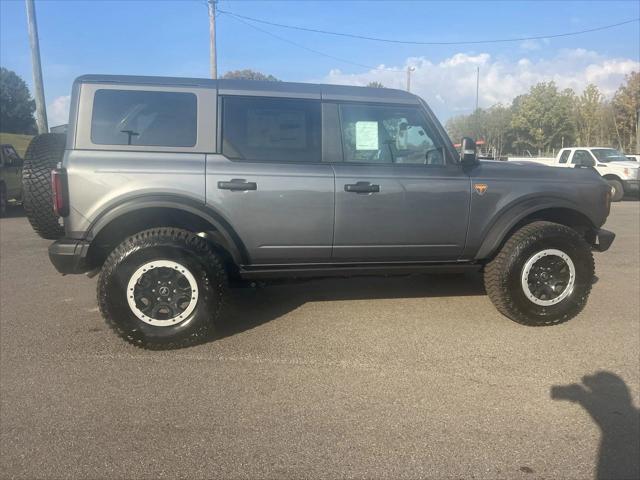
[351, 270]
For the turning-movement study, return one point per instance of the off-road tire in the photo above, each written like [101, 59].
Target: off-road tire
[502, 276]
[42, 156]
[3, 200]
[617, 190]
[156, 244]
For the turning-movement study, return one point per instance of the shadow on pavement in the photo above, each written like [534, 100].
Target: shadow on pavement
[606, 397]
[247, 308]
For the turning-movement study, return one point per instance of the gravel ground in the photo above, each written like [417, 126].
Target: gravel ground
[388, 378]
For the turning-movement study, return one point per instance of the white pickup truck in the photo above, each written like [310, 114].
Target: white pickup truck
[622, 173]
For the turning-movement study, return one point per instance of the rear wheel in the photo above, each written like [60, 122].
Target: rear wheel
[542, 275]
[617, 191]
[42, 156]
[162, 288]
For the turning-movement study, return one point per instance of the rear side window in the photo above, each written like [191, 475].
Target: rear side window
[565, 156]
[271, 130]
[136, 117]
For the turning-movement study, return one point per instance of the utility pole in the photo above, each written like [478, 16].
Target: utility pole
[409, 70]
[212, 38]
[41, 108]
[638, 131]
[477, 86]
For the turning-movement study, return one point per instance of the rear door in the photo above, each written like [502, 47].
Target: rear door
[398, 195]
[269, 181]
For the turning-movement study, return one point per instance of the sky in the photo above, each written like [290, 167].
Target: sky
[165, 37]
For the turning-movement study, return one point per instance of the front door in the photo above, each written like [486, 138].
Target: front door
[397, 196]
[269, 181]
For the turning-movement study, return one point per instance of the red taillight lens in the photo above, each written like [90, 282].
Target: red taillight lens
[59, 189]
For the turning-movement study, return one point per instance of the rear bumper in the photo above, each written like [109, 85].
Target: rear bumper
[631, 186]
[69, 256]
[603, 240]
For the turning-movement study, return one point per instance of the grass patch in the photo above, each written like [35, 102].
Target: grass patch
[19, 142]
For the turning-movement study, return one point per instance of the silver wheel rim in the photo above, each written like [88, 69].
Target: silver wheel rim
[536, 278]
[161, 293]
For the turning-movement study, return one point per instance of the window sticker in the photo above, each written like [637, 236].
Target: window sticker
[366, 135]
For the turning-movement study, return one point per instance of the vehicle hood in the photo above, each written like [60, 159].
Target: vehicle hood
[624, 163]
[538, 171]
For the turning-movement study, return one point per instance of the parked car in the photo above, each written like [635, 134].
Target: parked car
[621, 173]
[174, 189]
[10, 176]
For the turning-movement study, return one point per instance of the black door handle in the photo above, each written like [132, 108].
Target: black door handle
[361, 187]
[237, 184]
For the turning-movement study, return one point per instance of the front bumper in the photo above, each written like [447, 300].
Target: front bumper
[631, 186]
[603, 240]
[69, 255]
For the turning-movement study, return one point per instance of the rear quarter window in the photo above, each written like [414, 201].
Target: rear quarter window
[144, 118]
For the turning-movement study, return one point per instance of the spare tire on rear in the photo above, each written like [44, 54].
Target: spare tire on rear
[42, 156]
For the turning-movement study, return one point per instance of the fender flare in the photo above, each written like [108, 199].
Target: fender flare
[513, 214]
[227, 238]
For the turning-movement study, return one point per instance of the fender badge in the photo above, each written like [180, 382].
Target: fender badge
[480, 188]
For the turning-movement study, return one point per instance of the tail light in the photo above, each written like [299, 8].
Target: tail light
[60, 192]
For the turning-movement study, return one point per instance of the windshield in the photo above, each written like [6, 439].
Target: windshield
[606, 155]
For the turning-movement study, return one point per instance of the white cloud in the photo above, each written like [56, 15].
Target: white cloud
[58, 111]
[450, 85]
[530, 45]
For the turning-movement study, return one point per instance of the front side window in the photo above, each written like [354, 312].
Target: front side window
[565, 156]
[146, 118]
[271, 130]
[375, 134]
[581, 156]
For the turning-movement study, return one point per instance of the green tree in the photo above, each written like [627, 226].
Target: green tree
[606, 126]
[375, 85]
[16, 104]
[491, 125]
[248, 74]
[588, 116]
[543, 118]
[626, 103]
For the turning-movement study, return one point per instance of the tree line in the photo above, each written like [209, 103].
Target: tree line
[546, 119]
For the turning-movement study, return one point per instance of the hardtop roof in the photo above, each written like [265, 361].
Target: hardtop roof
[265, 88]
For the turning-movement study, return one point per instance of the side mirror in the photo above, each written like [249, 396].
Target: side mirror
[585, 162]
[468, 151]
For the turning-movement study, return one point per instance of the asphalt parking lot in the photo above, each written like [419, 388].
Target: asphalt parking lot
[409, 377]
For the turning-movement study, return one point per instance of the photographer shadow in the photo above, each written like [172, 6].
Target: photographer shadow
[606, 397]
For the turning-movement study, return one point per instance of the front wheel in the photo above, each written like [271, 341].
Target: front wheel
[162, 288]
[542, 275]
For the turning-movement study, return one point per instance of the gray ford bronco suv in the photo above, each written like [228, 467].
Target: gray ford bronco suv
[173, 189]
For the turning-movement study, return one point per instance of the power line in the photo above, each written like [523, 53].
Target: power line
[236, 17]
[409, 42]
